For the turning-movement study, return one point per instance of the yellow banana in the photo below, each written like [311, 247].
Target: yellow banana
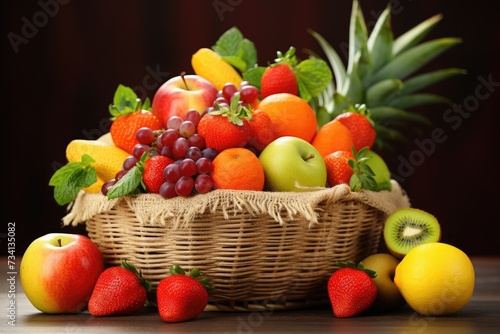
[108, 158]
[209, 65]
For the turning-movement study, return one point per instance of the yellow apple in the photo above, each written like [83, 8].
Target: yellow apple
[388, 296]
[59, 270]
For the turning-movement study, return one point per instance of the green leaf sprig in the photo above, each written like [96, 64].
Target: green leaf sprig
[125, 101]
[71, 178]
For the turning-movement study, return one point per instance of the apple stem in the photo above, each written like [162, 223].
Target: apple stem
[309, 157]
[59, 242]
[184, 80]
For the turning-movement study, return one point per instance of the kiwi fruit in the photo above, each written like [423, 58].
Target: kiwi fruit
[409, 227]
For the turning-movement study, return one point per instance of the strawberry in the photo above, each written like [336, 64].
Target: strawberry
[280, 77]
[119, 290]
[182, 297]
[351, 168]
[261, 131]
[152, 176]
[129, 115]
[361, 128]
[337, 167]
[226, 126]
[351, 289]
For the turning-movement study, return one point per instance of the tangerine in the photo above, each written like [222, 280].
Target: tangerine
[331, 137]
[291, 115]
[238, 169]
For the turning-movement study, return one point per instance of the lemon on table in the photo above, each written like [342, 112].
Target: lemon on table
[435, 279]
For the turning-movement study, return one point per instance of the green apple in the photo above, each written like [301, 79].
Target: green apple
[59, 270]
[292, 164]
[388, 296]
[379, 167]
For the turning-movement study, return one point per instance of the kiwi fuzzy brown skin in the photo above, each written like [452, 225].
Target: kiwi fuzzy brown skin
[424, 225]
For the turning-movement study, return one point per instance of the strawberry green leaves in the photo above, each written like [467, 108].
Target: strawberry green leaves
[71, 178]
[125, 101]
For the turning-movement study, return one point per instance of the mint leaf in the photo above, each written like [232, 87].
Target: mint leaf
[236, 50]
[70, 178]
[128, 183]
[313, 76]
[254, 75]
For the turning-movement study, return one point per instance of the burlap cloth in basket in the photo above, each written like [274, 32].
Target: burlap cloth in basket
[262, 249]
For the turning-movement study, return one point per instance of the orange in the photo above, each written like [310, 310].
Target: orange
[291, 115]
[237, 169]
[331, 137]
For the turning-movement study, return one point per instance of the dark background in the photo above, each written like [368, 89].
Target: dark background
[59, 83]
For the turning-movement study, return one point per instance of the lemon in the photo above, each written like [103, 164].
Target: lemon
[435, 279]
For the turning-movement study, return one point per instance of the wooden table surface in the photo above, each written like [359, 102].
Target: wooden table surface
[481, 315]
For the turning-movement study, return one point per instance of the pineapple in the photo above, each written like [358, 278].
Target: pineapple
[380, 74]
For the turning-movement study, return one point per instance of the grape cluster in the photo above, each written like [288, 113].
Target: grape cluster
[190, 172]
[246, 92]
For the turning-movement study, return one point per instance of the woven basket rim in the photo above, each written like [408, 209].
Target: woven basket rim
[154, 209]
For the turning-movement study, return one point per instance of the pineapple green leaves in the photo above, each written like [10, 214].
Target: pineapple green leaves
[382, 72]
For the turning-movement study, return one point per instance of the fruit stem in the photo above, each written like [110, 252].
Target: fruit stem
[309, 157]
[59, 242]
[183, 73]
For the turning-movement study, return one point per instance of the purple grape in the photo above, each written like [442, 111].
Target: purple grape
[171, 173]
[145, 136]
[197, 140]
[139, 149]
[204, 166]
[180, 147]
[174, 122]
[187, 167]
[193, 153]
[184, 186]
[167, 190]
[193, 115]
[203, 183]
[209, 153]
[187, 129]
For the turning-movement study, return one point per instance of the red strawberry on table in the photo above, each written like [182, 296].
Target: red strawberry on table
[182, 297]
[119, 290]
[280, 77]
[351, 289]
[361, 127]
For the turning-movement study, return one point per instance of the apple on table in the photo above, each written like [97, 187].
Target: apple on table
[59, 270]
[181, 93]
[388, 296]
[292, 164]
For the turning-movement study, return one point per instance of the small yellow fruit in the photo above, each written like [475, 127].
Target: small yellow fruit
[108, 158]
[209, 65]
[435, 279]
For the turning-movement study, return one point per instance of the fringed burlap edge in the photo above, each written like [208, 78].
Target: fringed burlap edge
[153, 209]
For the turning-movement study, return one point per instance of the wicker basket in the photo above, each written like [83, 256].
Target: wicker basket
[262, 250]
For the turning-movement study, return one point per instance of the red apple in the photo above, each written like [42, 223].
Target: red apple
[58, 272]
[180, 94]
